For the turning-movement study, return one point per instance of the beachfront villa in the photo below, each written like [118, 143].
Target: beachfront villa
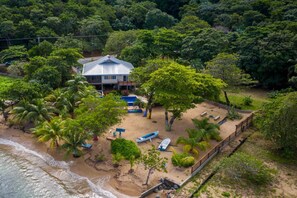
[108, 73]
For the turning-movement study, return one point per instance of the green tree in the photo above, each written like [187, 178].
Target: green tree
[25, 28]
[141, 75]
[152, 161]
[190, 145]
[74, 136]
[168, 43]
[135, 54]
[77, 89]
[268, 53]
[7, 29]
[35, 111]
[156, 18]
[59, 64]
[118, 40]
[34, 64]
[189, 24]
[209, 130]
[44, 49]
[98, 114]
[125, 23]
[59, 98]
[97, 27]
[169, 84]
[199, 136]
[224, 66]
[13, 53]
[21, 90]
[50, 131]
[253, 18]
[47, 75]
[70, 56]
[277, 121]
[69, 42]
[138, 11]
[53, 23]
[204, 44]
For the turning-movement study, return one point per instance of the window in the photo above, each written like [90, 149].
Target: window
[125, 78]
[110, 77]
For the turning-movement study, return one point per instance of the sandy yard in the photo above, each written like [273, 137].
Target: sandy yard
[136, 125]
[119, 180]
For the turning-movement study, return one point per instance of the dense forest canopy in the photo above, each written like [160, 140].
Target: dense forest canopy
[261, 32]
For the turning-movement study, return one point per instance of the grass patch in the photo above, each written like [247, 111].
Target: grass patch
[237, 98]
[6, 82]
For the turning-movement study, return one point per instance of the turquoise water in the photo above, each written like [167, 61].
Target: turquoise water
[27, 174]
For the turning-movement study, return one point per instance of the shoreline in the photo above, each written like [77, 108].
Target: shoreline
[78, 166]
[119, 180]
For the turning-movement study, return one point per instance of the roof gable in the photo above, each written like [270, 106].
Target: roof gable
[107, 65]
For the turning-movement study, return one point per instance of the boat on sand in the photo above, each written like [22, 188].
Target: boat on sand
[147, 137]
[164, 144]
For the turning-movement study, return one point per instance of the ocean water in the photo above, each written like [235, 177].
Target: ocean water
[25, 173]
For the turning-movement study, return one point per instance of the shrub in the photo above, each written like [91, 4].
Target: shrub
[233, 114]
[182, 160]
[247, 101]
[244, 167]
[117, 158]
[126, 148]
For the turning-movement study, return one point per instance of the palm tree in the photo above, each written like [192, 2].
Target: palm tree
[195, 139]
[77, 89]
[50, 131]
[190, 144]
[74, 136]
[35, 111]
[77, 84]
[209, 130]
[60, 100]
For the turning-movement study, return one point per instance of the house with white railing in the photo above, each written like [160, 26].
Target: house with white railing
[108, 73]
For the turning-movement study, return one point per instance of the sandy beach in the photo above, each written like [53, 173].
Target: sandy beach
[118, 180]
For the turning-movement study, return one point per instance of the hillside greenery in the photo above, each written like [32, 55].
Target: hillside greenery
[261, 33]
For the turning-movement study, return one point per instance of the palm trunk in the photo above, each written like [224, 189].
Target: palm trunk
[148, 176]
[56, 143]
[149, 107]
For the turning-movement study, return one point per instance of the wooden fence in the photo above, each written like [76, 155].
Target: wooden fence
[241, 127]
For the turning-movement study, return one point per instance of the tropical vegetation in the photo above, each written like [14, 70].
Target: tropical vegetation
[277, 122]
[152, 161]
[127, 148]
[182, 160]
[199, 136]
